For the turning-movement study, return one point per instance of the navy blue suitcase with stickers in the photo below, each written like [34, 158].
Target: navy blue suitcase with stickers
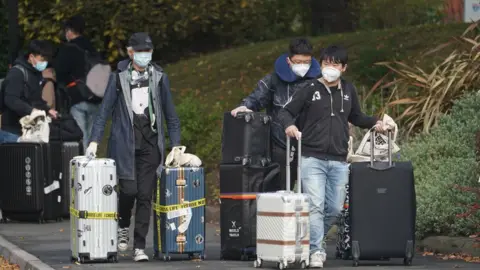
[179, 213]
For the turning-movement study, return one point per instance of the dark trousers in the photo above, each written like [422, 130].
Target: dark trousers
[279, 155]
[147, 159]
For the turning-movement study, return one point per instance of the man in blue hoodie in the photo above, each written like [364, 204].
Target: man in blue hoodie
[292, 73]
[138, 98]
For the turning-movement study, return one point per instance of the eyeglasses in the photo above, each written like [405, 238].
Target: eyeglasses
[308, 62]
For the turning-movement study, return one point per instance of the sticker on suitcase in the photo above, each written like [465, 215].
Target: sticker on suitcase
[180, 213]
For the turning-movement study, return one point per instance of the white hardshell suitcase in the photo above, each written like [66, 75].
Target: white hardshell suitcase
[93, 209]
[283, 224]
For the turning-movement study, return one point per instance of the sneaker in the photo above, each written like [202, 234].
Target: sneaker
[317, 259]
[140, 256]
[122, 239]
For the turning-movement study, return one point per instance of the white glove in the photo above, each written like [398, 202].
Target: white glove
[240, 109]
[91, 151]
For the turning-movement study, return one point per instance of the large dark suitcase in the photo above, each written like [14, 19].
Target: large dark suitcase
[246, 138]
[62, 153]
[382, 209]
[239, 186]
[27, 189]
[179, 219]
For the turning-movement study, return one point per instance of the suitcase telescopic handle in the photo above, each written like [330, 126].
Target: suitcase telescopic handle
[299, 162]
[372, 147]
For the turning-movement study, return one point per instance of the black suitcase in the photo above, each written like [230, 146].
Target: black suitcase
[382, 209]
[246, 138]
[27, 189]
[62, 153]
[238, 209]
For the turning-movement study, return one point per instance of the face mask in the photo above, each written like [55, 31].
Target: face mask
[330, 74]
[41, 66]
[142, 58]
[300, 69]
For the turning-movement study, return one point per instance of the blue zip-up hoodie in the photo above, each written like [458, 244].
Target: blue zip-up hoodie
[117, 102]
[275, 90]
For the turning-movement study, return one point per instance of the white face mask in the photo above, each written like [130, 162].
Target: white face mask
[300, 69]
[331, 74]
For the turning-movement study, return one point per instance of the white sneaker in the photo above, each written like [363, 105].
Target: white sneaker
[140, 256]
[317, 259]
[122, 239]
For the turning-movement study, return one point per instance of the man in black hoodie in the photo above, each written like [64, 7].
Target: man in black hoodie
[324, 109]
[22, 92]
[69, 67]
[292, 72]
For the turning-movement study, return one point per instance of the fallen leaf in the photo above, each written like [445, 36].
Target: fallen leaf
[474, 236]
[61, 230]
[66, 267]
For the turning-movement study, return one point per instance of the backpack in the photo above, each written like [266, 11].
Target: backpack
[2, 90]
[92, 86]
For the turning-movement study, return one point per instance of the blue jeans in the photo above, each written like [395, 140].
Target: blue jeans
[7, 137]
[84, 114]
[325, 183]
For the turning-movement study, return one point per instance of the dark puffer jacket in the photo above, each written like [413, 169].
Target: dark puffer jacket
[274, 91]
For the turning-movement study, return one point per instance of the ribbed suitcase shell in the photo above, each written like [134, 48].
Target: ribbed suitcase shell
[283, 227]
[27, 190]
[177, 186]
[246, 138]
[93, 189]
[62, 153]
[382, 211]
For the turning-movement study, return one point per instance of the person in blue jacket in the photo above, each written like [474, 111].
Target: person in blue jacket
[293, 71]
[139, 95]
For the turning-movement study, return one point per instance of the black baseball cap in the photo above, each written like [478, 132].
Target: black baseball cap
[140, 42]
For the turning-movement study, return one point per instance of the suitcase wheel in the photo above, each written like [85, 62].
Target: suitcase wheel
[258, 263]
[407, 261]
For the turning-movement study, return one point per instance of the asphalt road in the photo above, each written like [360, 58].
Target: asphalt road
[51, 243]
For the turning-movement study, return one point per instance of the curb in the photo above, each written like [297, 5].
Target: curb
[16, 255]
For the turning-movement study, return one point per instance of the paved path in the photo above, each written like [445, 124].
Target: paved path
[50, 243]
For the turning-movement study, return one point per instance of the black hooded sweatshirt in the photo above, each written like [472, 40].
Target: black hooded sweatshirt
[22, 93]
[323, 117]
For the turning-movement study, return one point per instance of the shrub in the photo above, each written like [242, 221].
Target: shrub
[445, 167]
[177, 27]
[425, 94]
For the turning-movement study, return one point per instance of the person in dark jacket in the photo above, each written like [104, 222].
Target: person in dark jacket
[292, 73]
[324, 109]
[139, 95]
[70, 66]
[22, 86]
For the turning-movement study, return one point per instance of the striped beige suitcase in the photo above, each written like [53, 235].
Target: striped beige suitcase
[283, 224]
[93, 210]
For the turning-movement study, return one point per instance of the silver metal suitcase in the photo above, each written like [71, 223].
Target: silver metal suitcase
[283, 224]
[93, 209]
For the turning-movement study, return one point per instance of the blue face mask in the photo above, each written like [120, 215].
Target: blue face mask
[142, 58]
[41, 66]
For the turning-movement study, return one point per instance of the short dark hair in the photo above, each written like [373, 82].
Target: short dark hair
[334, 53]
[75, 24]
[41, 47]
[300, 46]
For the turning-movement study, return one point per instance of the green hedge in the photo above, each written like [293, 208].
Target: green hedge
[445, 164]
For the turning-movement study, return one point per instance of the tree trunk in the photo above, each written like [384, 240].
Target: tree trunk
[454, 10]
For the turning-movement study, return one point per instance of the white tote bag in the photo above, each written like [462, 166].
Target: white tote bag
[35, 127]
